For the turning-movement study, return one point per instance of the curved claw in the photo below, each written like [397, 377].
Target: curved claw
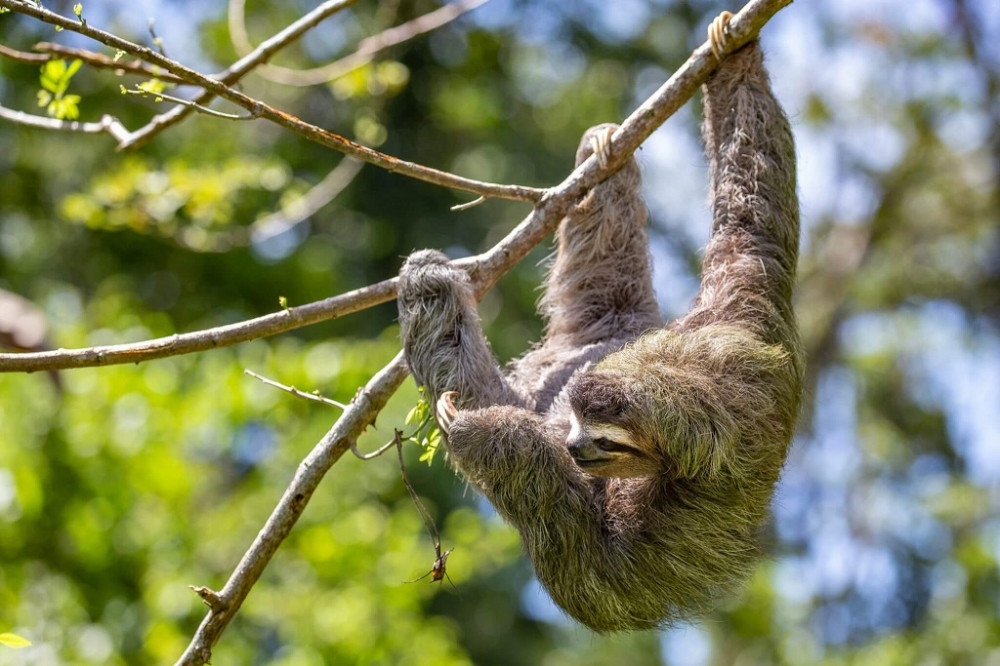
[599, 144]
[445, 410]
[718, 34]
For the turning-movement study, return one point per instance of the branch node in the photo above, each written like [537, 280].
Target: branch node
[210, 597]
[468, 204]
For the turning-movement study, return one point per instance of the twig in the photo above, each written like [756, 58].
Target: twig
[316, 397]
[107, 124]
[305, 206]
[488, 268]
[159, 96]
[365, 53]
[222, 336]
[157, 42]
[467, 205]
[425, 515]
[52, 51]
[263, 110]
[239, 69]
[374, 454]
[21, 56]
[358, 415]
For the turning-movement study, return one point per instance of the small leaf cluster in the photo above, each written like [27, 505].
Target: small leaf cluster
[54, 79]
[426, 436]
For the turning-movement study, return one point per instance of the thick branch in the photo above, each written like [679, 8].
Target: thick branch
[487, 269]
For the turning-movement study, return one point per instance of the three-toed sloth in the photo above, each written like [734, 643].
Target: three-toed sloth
[636, 459]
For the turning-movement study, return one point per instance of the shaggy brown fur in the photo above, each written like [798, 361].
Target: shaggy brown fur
[663, 525]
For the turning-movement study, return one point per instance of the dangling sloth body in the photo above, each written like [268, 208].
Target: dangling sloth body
[637, 460]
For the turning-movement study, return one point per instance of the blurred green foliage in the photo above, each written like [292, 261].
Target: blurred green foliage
[121, 486]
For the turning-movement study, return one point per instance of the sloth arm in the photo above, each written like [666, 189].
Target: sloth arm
[442, 335]
[599, 285]
[749, 265]
[522, 466]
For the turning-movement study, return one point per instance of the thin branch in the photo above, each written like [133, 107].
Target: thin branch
[374, 454]
[299, 210]
[468, 204]
[365, 53]
[286, 120]
[487, 268]
[358, 416]
[316, 397]
[100, 61]
[21, 56]
[239, 69]
[107, 124]
[160, 96]
[222, 336]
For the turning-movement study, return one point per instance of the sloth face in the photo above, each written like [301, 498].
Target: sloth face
[604, 449]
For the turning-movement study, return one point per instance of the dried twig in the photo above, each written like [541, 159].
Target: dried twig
[315, 397]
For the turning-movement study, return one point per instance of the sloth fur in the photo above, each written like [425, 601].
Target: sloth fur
[689, 423]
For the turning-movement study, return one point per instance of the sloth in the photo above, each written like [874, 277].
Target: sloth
[636, 459]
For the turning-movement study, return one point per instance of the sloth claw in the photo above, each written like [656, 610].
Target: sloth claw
[718, 34]
[600, 142]
[445, 410]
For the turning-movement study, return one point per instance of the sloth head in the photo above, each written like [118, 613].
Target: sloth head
[603, 440]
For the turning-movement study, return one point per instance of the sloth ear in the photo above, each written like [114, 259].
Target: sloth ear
[600, 396]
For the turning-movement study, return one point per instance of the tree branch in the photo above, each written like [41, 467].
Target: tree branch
[50, 51]
[286, 120]
[107, 124]
[486, 269]
[222, 336]
[239, 69]
[365, 53]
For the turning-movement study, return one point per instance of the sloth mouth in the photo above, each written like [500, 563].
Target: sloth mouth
[590, 462]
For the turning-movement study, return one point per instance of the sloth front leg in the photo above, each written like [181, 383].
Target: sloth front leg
[520, 463]
[442, 336]
[599, 286]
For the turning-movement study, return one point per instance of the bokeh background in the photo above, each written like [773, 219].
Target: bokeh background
[120, 486]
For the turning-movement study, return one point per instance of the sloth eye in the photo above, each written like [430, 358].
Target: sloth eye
[605, 444]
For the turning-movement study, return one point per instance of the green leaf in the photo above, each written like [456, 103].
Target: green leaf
[44, 97]
[119, 54]
[283, 302]
[52, 76]
[65, 108]
[14, 641]
[78, 9]
[153, 86]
